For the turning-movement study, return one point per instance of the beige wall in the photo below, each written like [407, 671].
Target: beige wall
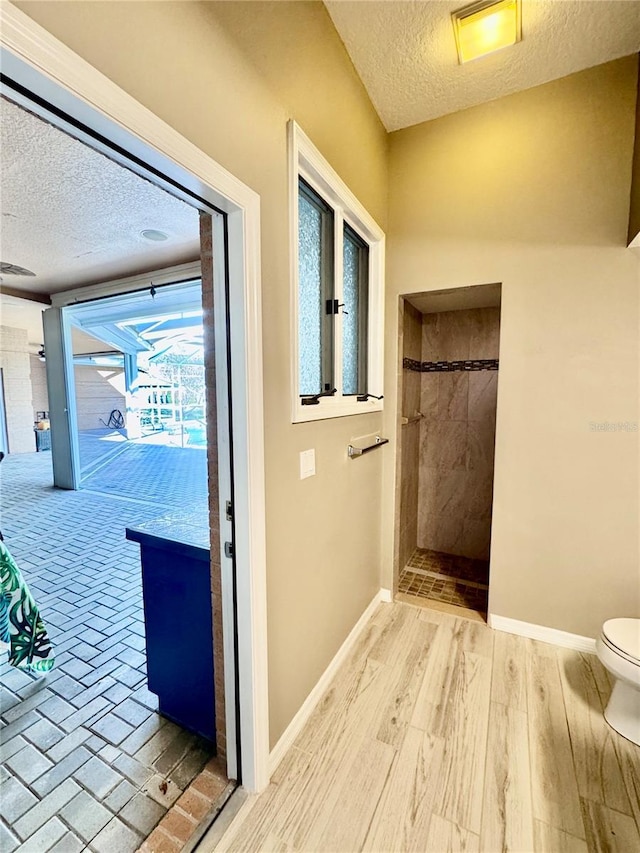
[532, 191]
[16, 379]
[323, 539]
[457, 433]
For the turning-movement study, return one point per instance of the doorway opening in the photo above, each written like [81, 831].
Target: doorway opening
[130, 408]
[449, 347]
[58, 85]
[138, 376]
[229, 230]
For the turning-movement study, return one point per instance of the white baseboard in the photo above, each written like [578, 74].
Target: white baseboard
[295, 726]
[542, 633]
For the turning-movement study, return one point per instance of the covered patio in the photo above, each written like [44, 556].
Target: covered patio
[88, 759]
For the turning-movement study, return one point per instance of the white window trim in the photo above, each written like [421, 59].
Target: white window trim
[307, 162]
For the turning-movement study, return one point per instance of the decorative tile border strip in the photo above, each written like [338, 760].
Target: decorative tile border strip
[412, 364]
[449, 366]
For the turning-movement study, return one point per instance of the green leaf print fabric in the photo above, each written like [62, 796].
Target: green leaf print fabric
[22, 631]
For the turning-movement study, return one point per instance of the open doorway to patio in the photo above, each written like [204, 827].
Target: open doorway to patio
[138, 374]
[91, 728]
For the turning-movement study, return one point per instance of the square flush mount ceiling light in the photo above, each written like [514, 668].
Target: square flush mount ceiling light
[485, 27]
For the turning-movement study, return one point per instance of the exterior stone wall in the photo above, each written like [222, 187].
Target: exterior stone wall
[16, 379]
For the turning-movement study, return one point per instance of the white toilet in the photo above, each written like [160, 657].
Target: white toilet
[619, 651]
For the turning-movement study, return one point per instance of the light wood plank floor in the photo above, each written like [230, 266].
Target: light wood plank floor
[439, 734]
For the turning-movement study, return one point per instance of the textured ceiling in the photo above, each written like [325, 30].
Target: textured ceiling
[405, 52]
[74, 217]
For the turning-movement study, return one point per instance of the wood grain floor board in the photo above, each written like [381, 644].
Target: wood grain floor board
[397, 710]
[539, 649]
[401, 821]
[347, 702]
[267, 815]
[509, 678]
[335, 754]
[447, 837]
[467, 637]
[476, 637]
[465, 742]
[394, 635]
[351, 801]
[602, 679]
[327, 767]
[273, 844]
[350, 679]
[595, 759]
[548, 839]
[441, 663]
[554, 787]
[507, 818]
[455, 739]
[609, 831]
[629, 759]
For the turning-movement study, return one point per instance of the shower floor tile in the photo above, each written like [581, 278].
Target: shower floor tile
[450, 565]
[445, 577]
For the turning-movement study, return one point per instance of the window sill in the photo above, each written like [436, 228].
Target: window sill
[328, 408]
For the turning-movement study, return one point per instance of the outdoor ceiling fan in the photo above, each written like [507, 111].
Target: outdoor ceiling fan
[14, 269]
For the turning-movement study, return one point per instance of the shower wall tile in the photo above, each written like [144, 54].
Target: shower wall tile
[479, 495]
[410, 434]
[409, 491]
[483, 395]
[480, 446]
[451, 494]
[430, 338]
[412, 348]
[457, 434]
[444, 445]
[448, 533]
[453, 396]
[484, 329]
[412, 342]
[476, 539]
[427, 490]
[454, 335]
[429, 390]
[411, 393]
[410, 450]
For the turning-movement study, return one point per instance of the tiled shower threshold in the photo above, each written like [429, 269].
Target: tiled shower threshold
[453, 583]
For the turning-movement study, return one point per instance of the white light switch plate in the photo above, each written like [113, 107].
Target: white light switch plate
[307, 463]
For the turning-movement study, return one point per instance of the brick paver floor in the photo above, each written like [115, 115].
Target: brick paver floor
[87, 762]
[96, 446]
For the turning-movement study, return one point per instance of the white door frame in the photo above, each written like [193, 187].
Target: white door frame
[44, 66]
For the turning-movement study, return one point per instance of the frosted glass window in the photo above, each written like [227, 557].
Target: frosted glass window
[338, 293]
[315, 274]
[354, 314]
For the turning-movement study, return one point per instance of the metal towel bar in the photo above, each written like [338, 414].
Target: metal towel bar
[358, 451]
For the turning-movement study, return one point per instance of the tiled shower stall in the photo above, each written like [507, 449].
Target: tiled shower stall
[450, 381]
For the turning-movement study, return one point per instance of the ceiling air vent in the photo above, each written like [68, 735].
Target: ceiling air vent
[13, 269]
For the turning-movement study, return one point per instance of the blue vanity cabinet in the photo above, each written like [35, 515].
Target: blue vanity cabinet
[176, 590]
